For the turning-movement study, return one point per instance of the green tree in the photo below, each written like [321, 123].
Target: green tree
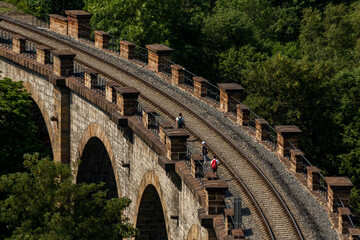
[44, 203]
[348, 116]
[17, 131]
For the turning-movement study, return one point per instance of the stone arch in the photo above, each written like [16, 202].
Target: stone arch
[94, 134]
[150, 183]
[41, 106]
[194, 233]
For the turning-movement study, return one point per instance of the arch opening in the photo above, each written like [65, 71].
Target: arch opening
[96, 167]
[150, 219]
[41, 132]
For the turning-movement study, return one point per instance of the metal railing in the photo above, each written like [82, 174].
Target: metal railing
[6, 39]
[100, 85]
[188, 79]
[30, 49]
[40, 22]
[51, 59]
[213, 92]
[231, 206]
[141, 54]
[79, 72]
[86, 33]
[165, 66]
[139, 112]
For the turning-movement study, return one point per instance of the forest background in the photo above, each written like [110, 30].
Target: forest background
[297, 60]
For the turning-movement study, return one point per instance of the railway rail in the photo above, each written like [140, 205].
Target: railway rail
[269, 210]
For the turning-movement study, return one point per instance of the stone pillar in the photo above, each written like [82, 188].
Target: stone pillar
[58, 24]
[243, 115]
[344, 221]
[159, 57]
[127, 100]
[43, 54]
[354, 233]
[261, 129]
[216, 195]
[230, 96]
[287, 136]
[18, 43]
[177, 74]
[127, 49]
[196, 167]
[338, 187]
[149, 119]
[101, 39]
[200, 86]
[61, 120]
[78, 23]
[313, 178]
[176, 143]
[63, 62]
[296, 160]
[162, 127]
[110, 93]
[90, 78]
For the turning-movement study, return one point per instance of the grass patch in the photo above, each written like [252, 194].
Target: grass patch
[5, 9]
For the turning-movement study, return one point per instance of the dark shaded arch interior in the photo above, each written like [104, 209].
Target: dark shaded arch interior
[95, 166]
[42, 132]
[150, 220]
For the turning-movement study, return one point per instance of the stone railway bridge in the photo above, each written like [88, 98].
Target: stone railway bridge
[84, 117]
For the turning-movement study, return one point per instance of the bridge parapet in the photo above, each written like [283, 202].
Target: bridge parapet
[63, 62]
[43, 54]
[78, 23]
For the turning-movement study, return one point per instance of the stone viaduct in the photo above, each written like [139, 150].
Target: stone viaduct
[114, 147]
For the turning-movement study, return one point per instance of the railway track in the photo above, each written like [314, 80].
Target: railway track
[270, 212]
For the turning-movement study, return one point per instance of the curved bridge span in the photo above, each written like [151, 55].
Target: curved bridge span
[117, 115]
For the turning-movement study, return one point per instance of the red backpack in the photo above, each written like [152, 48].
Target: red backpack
[214, 164]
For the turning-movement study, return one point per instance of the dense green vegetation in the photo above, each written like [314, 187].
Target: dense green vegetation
[44, 203]
[17, 133]
[298, 61]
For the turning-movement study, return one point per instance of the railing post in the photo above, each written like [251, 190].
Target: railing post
[101, 39]
[285, 135]
[163, 125]
[344, 222]
[338, 187]
[43, 54]
[110, 93]
[127, 100]
[230, 96]
[216, 190]
[176, 143]
[58, 24]
[18, 43]
[127, 50]
[354, 233]
[313, 178]
[200, 86]
[78, 23]
[243, 115]
[261, 129]
[296, 160]
[158, 56]
[177, 74]
[148, 116]
[196, 160]
[90, 78]
[63, 62]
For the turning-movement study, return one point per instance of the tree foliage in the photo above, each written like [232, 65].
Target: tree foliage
[44, 203]
[17, 131]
